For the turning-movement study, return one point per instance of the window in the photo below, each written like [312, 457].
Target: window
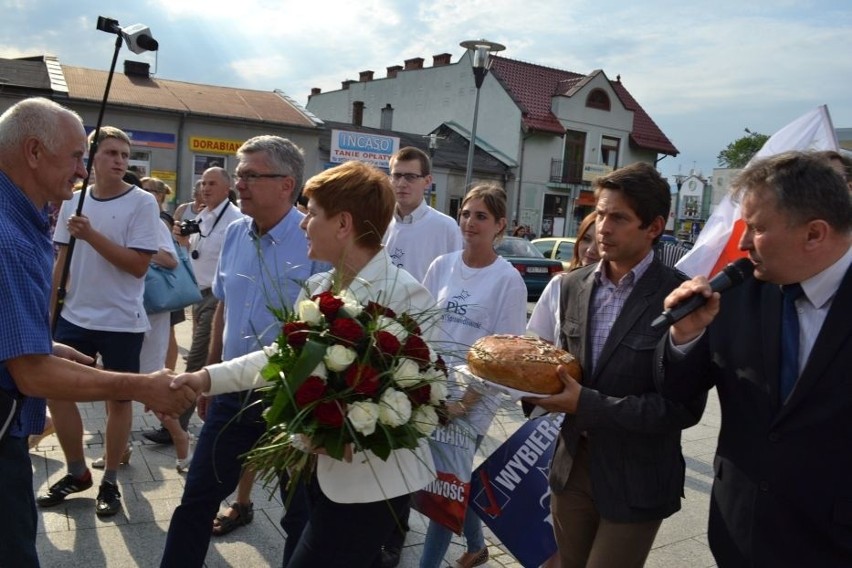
[139, 163]
[387, 117]
[575, 153]
[358, 113]
[609, 151]
[598, 99]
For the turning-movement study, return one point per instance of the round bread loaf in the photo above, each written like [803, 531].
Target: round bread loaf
[520, 362]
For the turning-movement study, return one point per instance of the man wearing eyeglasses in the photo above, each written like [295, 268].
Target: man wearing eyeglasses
[264, 262]
[416, 236]
[205, 247]
[417, 233]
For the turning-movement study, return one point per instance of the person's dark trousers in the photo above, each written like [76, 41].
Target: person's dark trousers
[393, 544]
[347, 534]
[202, 316]
[297, 510]
[19, 519]
[229, 431]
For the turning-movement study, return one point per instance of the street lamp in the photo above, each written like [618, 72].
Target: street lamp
[480, 60]
[433, 147]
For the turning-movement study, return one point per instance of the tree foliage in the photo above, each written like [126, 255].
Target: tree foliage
[741, 150]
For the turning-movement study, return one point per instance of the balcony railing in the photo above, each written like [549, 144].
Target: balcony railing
[566, 172]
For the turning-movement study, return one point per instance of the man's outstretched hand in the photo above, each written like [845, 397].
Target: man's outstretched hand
[165, 399]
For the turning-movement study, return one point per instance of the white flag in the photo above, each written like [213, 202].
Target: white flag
[717, 243]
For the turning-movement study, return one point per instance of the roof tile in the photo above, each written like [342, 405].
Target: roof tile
[164, 94]
[533, 87]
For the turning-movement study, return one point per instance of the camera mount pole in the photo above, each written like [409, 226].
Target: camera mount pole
[112, 27]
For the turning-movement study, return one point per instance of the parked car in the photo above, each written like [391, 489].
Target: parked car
[557, 248]
[535, 269]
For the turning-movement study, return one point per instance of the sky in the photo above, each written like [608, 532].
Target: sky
[704, 71]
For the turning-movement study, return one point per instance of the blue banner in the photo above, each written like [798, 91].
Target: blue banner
[510, 490]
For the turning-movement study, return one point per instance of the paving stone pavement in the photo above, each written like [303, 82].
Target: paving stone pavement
[71, 534]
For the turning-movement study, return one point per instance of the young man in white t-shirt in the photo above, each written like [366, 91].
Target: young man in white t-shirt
[102, 313]
[418, 234]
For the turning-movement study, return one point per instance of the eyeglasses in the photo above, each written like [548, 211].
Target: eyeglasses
[407, 177]
[250, 177]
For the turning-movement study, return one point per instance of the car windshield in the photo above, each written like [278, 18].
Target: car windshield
[513, 246]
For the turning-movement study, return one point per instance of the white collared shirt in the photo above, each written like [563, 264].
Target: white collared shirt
[209, 246]
[812, 307]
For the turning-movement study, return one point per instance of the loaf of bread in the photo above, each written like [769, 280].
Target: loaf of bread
[520, 362]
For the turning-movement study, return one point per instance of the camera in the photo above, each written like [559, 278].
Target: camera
[189, 227]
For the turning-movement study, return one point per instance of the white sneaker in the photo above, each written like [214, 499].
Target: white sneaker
[182, 465]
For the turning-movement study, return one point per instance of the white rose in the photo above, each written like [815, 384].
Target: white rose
[309, 312]
[363, 415]
[351, 304]
[425, 419]
[394, 408]
[393, 327]
[437, 391]
[407, 373]
[320, 371]
[338, 357]
[271, 350]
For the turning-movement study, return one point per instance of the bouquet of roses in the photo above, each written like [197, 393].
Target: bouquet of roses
[344, 373]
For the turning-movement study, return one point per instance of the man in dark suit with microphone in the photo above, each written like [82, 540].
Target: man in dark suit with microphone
[617, 469]
[778, 349]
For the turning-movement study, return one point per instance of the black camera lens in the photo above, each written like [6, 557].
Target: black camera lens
[194, 254]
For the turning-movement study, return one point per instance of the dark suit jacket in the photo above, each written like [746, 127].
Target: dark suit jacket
[636, 465]
[782, 495]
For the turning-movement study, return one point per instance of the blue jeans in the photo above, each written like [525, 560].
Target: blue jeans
[19, 519]
[347, 534]
[438, 536]
[228, 432]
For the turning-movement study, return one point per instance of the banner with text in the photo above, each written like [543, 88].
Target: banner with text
[510, 490]
[371, 148]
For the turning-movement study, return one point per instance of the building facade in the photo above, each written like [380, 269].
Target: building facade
[556, 130]
[177, 129]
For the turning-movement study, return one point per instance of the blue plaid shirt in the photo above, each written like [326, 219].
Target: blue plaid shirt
[26, 260]
[608, 299]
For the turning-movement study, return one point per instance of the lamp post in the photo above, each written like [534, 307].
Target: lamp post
[433, 147]
[480, 60]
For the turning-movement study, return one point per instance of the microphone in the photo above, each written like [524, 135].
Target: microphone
[730, 276]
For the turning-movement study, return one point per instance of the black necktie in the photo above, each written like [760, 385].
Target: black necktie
[789, 339]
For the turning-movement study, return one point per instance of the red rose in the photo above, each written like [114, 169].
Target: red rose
[347, 330]
[421, 394]
[329, 413]
[415, 348]
[296, 333]
[363, 379]
[410, 324]
[310, 391]
[442, 366]
[377, 310]
[387, 343]
[328, 304]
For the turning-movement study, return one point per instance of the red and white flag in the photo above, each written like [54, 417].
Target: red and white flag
[718, 242]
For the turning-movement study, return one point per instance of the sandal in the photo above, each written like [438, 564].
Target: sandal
[223, 524]
[471, 559]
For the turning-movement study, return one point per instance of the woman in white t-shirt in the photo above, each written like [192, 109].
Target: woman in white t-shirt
[545, 319]
[480, 294]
